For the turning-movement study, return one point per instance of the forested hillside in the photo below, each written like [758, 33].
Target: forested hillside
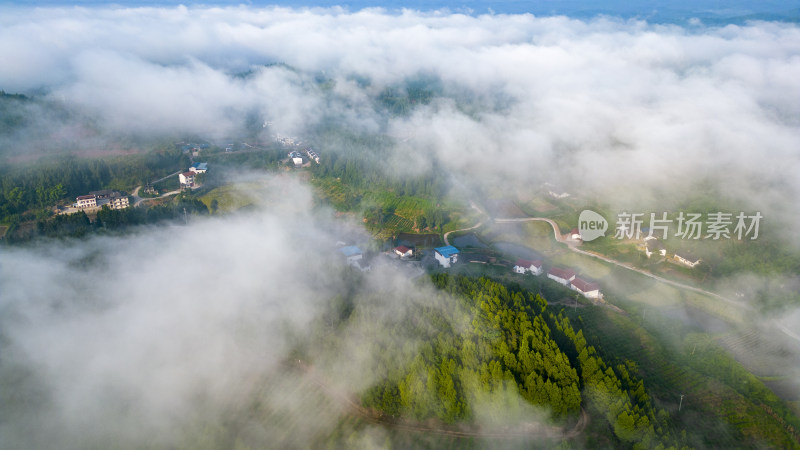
[43, 184]
[499, 355]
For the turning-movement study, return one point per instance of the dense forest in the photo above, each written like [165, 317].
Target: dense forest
[498, 354]
[107, 220]
[41, 185]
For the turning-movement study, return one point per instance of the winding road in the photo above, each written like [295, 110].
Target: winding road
[573, 246]
[447, 235]
[138, 200]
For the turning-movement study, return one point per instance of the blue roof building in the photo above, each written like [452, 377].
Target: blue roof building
[447, 251]
[199, 167]
[353, 255]
[350, 250]
[446, 255]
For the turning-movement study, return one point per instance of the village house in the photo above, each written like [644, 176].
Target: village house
[351, 253]
[687, 259]
[296, 157]
[312, 155]
[561, 276]
[86, 201]
[199, 167]
[119, 202]
[575, 234]
[446, 255]
[653, 245]
[586, 288]
[403, 251]
[355, 257]
[186, 179]
[525, 266]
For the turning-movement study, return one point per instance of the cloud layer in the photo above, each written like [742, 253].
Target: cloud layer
[622, 108]
[605, 104]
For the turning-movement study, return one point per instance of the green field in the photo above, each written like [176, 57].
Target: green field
[230, 197]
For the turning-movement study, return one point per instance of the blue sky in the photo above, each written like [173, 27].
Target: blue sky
[658, 11]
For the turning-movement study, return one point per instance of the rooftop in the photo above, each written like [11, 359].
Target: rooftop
[402, 248]
[350, 250]
[585, 286]
[447, 251]
[527, 263]
[687, 256]
[200, 166]
[561, 273]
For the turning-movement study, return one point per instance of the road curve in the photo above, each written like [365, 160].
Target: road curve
[447, 235]
[572, 245]
[139, 200]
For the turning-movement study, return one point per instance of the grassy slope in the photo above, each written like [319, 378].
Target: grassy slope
[229, 198]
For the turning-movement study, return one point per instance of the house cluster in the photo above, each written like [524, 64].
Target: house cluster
[287, 140]
[113, 199]
[448, 255]
[192, 149]
[187, 179]
[653, 245]
[570, 279]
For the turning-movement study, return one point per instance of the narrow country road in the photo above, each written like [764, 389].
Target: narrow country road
[573, 246]
[138, 200]
[447, 235]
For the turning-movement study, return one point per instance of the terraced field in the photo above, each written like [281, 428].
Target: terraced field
[397, 222]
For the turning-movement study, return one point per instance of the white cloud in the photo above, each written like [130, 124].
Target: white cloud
[605, 105]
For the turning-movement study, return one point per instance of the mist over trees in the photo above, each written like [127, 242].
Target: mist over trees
[246, 329]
